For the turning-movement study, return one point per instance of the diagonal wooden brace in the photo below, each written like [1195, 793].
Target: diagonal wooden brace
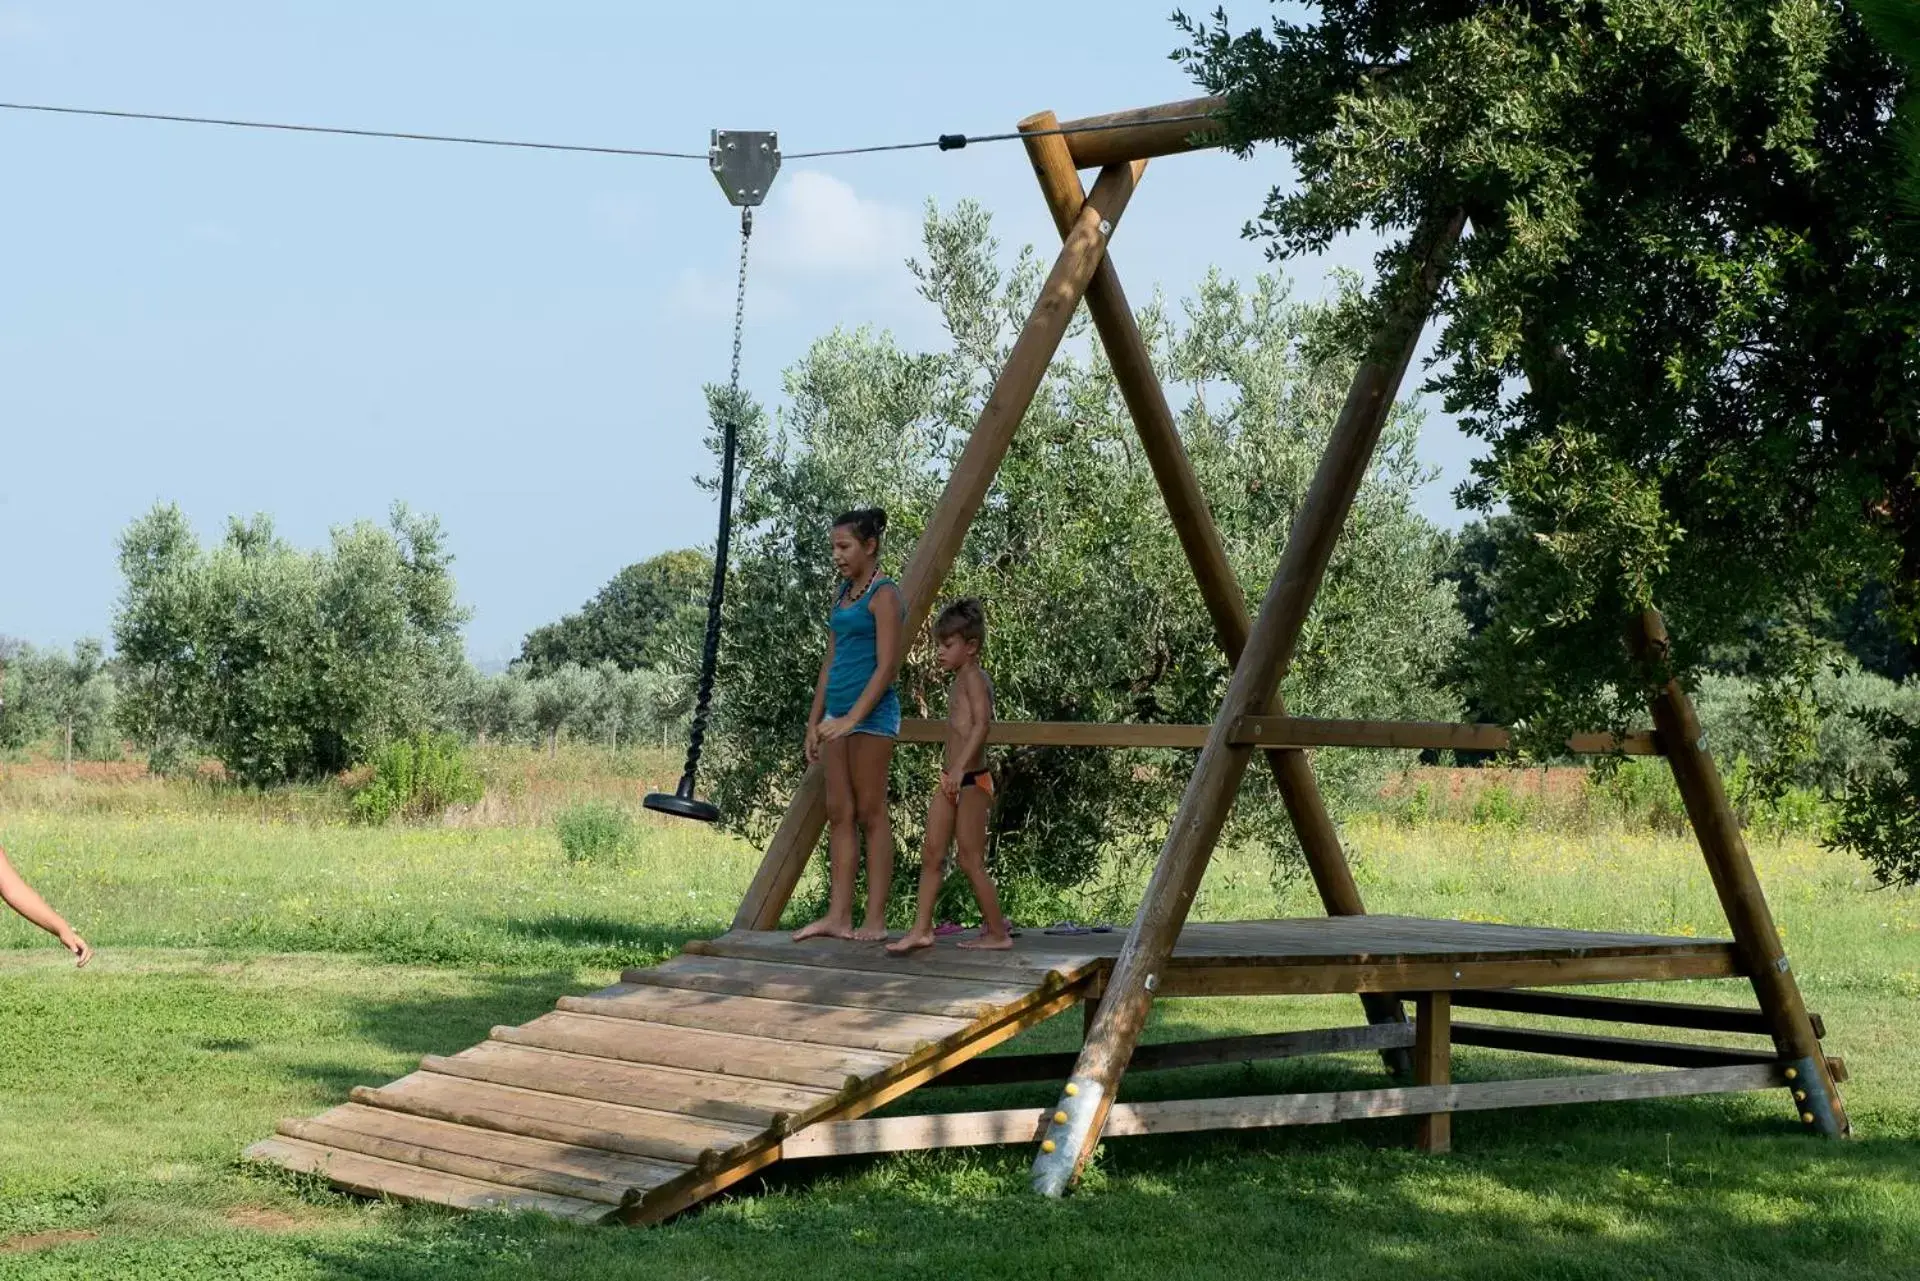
[1132, 363]
[1216, 776]
[1762, 955]
[1082, 253]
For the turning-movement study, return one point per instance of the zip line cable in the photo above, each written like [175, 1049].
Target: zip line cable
[945, 142]
[349, 133]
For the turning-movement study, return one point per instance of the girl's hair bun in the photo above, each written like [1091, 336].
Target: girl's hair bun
[866, 522]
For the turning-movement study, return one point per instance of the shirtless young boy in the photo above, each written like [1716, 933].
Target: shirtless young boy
[958, 812]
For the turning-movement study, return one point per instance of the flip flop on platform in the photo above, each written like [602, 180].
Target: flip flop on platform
[948, 927]
[1070, 927]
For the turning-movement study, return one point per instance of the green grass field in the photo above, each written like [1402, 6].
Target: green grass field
[257, 960]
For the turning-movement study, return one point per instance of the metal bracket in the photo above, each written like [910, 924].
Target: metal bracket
[744, 163]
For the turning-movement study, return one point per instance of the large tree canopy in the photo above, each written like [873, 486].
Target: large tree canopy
[1092, 612]
[630, 622]
[1683, 320]
[286, 664]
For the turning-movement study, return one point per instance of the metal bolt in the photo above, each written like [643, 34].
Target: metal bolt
[763, 147]
[1047, 1146]
[1072, 1089]
[1792, 1073]
[1807, 1117]
[1801, 1095]
[729, 146]
[1059, 1118]
[1106, 228]
[740, 191]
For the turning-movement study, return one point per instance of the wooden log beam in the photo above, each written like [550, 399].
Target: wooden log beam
[1620, 1009]
[1183, 1116]
[1007, 1069]
[1222, 765]
[1608, 1049]
[1816, 1096]
[1433, 1065]
[1081, 254]
[1290, 734]
[1146, 400]
[1142, 133]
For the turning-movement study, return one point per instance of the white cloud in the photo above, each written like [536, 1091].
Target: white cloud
[815, 224]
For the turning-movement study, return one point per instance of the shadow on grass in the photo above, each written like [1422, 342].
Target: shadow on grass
[631, 942]
[439, 1023]
[1530, 1195]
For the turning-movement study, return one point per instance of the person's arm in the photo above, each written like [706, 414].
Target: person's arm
[819, 708]
[20, 896]
[886, 609]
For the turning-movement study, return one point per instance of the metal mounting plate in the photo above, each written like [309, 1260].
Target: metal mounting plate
[744, 163]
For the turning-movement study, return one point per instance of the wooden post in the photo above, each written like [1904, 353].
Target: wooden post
[1081, 254]
[1192, 520]
[1216, 776]
[1433, 1065]
[1816, 1097]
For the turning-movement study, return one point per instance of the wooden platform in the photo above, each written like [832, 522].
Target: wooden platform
[647, 1097]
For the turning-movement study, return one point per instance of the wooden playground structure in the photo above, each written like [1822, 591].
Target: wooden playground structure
[636, 1102]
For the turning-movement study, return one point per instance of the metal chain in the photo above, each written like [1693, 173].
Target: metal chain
[740, 297]
[710, 652]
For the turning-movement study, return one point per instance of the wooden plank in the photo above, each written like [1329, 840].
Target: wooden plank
[1316, 976]
[1067, 734]
[612, 1127]
[1279, 732]
[1167, 1055]
[915, 1133]
[1612, 1049]
[1433, 1065]
[1741, 898]
[1354, 1105]
[884, 1030]
[1180, 1116]
[1142, 133]
[589, 1174]
[1302, 731]
[1217, 774]
[1619, 1009]
[373, 1177]
[720, 1098]
[967, 485]
[1026, 965]
[718, 1053]
[950, 998]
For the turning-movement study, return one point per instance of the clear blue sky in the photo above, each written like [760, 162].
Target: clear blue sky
[314, 327]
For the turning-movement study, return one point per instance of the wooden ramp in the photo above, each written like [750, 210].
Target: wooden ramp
[640, 1100]
[649, 1096]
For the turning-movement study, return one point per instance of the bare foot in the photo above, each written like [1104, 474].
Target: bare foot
[870, 933]
[913, 941]
[825, 927]
[988, 942]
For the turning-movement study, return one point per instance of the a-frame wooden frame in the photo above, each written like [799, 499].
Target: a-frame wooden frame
[1260, 648]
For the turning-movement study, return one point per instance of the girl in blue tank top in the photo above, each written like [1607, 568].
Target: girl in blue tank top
[855, 718]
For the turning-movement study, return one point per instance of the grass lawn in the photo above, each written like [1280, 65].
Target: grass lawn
[253, 968]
